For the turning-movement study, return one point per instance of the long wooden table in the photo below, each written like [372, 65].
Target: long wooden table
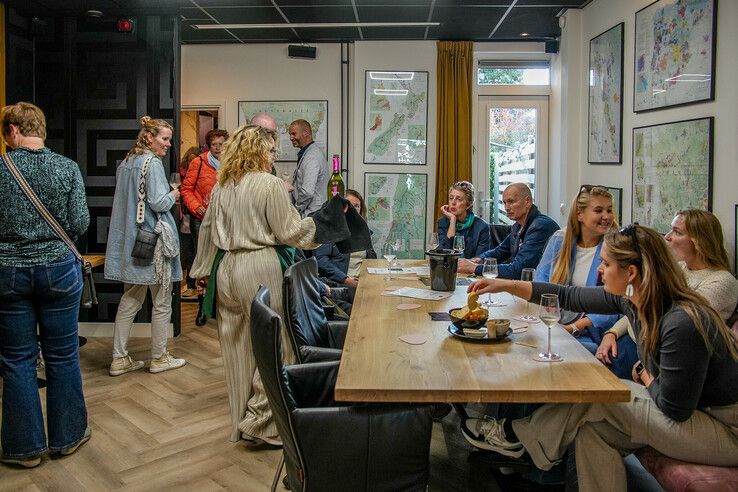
[377, 366]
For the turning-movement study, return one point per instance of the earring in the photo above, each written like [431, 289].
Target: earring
[629, 290]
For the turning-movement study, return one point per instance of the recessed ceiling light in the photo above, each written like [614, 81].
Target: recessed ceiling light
[524, 34]
[94, 13]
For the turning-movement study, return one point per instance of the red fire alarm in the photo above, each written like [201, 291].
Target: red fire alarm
[125, 25]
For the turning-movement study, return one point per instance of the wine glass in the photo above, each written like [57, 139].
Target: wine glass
[527, 276]
[489, 270]
[175, 179]
[459, 243]
[389, 253]
[550, 314]
[432, 241]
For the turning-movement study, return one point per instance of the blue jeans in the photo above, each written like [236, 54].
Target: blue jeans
[47, 295]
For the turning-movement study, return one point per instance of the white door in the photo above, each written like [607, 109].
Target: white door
[511, 147]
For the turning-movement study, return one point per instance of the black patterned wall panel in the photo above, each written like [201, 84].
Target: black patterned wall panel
[94, 84]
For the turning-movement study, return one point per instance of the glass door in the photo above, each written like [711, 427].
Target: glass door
[512, 147]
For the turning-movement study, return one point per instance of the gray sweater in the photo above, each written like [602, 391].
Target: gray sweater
[686, 376]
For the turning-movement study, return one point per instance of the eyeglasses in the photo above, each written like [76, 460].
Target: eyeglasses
[630, 230]
[588, 188]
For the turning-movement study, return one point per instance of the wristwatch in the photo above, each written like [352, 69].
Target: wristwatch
[574, 330]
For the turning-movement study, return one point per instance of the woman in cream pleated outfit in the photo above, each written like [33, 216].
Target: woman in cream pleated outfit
[250, 213]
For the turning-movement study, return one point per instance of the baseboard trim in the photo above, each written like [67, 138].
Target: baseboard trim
[139, 330]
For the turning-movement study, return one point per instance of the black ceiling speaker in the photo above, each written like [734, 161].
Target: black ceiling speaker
[552, 47]
[298, 51]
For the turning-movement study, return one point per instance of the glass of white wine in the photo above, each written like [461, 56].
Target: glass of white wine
[389, 253]
[175, 179]
[489, 270]
[459, 243]
[527, 276]
[550, 314]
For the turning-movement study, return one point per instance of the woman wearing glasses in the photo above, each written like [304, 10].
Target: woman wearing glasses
[696, 239]
[458, 219]
[572, 257]
[684, 397]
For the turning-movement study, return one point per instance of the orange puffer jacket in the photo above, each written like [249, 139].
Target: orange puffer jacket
[195, 190]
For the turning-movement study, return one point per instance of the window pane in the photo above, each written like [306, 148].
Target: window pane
[512, 76]
[512, 155]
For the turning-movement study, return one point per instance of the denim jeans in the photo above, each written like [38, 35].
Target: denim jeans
[47, 296]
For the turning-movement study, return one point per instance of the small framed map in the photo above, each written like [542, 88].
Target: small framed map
[395, 117]
[672, 170]
[617, 202]
[285, 112]
[606, 97]
[674, 54]
[396, 205]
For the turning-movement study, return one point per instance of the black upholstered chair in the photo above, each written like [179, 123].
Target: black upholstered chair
[497, 234]
[314, 338]
[330, 447]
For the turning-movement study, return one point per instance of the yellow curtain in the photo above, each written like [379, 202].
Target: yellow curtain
[2, 66]
[454, 128]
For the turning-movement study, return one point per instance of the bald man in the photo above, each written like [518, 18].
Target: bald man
[524, 246]
[311, 176]
[265, 121]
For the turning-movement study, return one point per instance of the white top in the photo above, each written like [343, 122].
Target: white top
[719, 287]
[585, 257]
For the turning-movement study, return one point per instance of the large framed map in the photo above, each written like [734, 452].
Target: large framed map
[396, 205]
[606, 97]
[395, 117]
[674, 54]
[672, 170]
[285, 112]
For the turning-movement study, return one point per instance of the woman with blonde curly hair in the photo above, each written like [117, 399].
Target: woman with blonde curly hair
[143, 165]
[246, 240]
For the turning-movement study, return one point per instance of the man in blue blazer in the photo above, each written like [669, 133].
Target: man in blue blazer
[524, 246]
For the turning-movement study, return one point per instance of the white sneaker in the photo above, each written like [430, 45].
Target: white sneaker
[166, 363]
[122, 365]
[489, 434]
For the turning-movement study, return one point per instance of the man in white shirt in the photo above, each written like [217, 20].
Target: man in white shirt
[311, 175]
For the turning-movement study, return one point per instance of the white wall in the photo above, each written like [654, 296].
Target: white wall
[393, 55]
[601, 15]
[221, 75]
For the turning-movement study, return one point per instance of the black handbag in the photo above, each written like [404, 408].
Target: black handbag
[89, 294]
[143, 248]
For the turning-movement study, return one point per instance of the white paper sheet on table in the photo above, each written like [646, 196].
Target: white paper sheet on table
[422, 270]
[428, 295]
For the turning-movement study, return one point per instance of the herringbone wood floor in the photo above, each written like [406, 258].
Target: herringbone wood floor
[157, 432]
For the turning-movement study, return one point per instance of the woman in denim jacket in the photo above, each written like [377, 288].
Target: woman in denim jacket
[572, 257]
[138, 276]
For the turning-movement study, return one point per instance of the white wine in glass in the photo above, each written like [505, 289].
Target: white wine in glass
[175, 179]
[489, 270]
[550, 314]
[459, 244]
[389, 253]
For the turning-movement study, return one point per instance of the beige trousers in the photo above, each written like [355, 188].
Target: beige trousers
[161, 313]
[239, 277]
[605, 432]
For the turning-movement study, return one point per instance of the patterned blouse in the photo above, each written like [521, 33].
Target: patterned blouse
[25, 238]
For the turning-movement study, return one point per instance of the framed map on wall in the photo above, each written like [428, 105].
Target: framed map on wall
[395, 117]
[674, 54]
[617, 201]
[396, 206]
[285, 112]
[672, 170]
[606, 97]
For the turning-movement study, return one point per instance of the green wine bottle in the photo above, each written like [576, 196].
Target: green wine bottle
[335, 183]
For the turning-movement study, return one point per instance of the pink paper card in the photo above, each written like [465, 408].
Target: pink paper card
[407, 306]
[414, 339]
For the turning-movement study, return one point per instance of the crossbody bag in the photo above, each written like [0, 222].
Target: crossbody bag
[143, 248]
[89, 294]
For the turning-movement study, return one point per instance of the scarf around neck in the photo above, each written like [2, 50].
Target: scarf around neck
[213, 161]
[467, 223]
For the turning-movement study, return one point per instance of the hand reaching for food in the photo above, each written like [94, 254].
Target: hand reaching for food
[473, 310]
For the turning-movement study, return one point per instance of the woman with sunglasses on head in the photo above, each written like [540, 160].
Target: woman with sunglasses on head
[572, 257]
[684, 397]
[458, 219]
[696, 239]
